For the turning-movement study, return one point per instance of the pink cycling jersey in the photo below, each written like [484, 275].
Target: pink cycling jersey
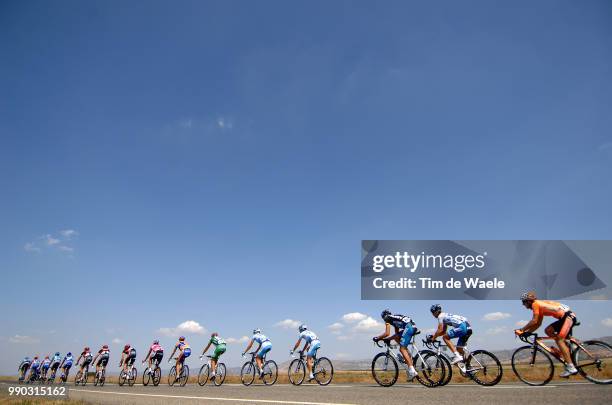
[156, 348]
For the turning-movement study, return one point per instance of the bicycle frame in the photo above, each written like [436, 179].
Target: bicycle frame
[437, 347]
[538, 341]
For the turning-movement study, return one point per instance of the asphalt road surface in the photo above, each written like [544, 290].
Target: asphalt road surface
[558, 393]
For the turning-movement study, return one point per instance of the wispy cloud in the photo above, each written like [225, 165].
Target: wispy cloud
[183, 328]
[50, 240]
[23, 339]
[368, 325]
[53, 241]
[68, 233]
[336, 328]
[497, 330]
[496, 316]
[232, 340]
[224, 123]
[353, 317]
[31, 247]
[288, 324]
[117, 341]
[607, 322]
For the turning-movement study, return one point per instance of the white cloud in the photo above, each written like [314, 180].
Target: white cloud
[183, 328]
[607, 322]
[496, 316]
[521, 323]
[342, 356]
[22, 339]
[367, 325]
[68, 233]
[224, 123]
[31, 247]
[344, 337]
[232, 340]
[497, 330]
[288, 324]
[335, 328]
[353, 317]
[186, 123]
[50, 240]
[116, 341]
[65, 248]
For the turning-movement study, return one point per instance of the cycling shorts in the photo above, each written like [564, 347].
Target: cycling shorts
[463, 332]
[314, 346]
[46, 367]
[103, 361]
[54, 366]
[564, 326]
[35, 366]
[130, 360]
[407, 335]
[157, 356]
[265, 348]
[67, 366]
[219, 350]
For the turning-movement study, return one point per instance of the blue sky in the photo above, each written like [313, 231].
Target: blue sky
[219, 162]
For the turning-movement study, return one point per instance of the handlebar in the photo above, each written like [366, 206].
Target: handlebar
[526, 335]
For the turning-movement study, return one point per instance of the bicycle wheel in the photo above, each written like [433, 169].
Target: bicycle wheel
[484, 368]
[247, 373]
[156, 376]
[270, 372]
[448, 370]
[532, 367]
[85, 377]
[220, 374]
[77, 377]
[203, 375]
[96, 379]
[430, 368]
[184, 374]
[132, 377]
[594, 361]
[323, 370]
[296, 372]
[384, 369]
[103, 377]
[146, 376]
[172, 376]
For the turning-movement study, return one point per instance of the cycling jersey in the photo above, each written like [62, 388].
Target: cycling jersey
[260, 338]
[216, 341]
[35, 364]
[130, 352]
[46, 363]
[398, 321]
[86, 356]
[309, 336]
[25, 363]
[56, 360]
[68, 361]
[156, 348]
[543, 308]
[452, 319]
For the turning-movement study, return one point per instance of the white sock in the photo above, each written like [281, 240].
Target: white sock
[412, 370]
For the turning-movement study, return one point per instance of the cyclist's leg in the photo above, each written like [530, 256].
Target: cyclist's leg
[312, 352]
[462, 342]
[404, 341]
[179, 364]
[559, 330]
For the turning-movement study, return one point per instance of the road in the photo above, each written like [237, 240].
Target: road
[557, 393]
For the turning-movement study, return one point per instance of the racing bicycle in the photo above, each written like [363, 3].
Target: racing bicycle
[430, 367]
[100, 377]
[34, 376]
[322, 369]
[481, 366]
[533, 364]
[269, 374]
[129, 375]
[152, 374]
[181, 378]
[81, 376]
[204, 374]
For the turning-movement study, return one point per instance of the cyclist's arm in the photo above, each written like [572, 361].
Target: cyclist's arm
[440, 331]
[386, 333]
[297, 344]
[533, 324]
[173, 351]
[249, 346]
[206, 348]
[148, 354]
[95, 357]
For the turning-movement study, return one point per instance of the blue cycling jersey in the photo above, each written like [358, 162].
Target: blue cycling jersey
[56, 359]
[260, 338]
[308, 336]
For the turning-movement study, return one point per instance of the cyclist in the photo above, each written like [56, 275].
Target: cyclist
[264, 347]
[34, 367]
[55, 362]
[65, 365]
[101, 358]
[23, 367]
[184, 351]
[86, 356]
[128, 357]
[46, 363]
[558, 330]
[311, 345]
[404, 330]
[460, 328]
[220, 348]
[155, 353]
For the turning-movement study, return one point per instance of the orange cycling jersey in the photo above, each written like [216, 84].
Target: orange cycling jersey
[549, 308]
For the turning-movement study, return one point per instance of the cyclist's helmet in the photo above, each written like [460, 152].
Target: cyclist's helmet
[57, 353]
[156, 342]
[86, 349]
[46, 357]
[182, 338]
[385, 313]
[528, 296]
[302, 328]
[256, 331]
[126, 347]
[214, 334]
[35, 357]
[68, 354]
[105, 347]
[435, 308]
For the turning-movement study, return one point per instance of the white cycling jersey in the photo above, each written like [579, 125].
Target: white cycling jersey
[260, 338]
[308, 336]
[451, 319]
